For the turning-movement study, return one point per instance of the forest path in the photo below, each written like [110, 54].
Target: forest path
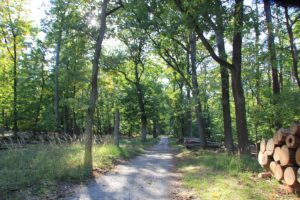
[145, 177]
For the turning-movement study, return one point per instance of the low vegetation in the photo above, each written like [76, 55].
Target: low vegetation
[214, 175]
[42, 167]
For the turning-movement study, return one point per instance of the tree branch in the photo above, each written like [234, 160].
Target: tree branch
[126, 77]
[205, 42]
[115, 9]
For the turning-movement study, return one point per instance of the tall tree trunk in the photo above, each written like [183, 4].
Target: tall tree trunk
[56, 89]
[188, 96]
[293, 47]
[88, 158]
[224, 84]
[38, 109]
[15, 85]
[257, 73]
[237, 87]
[117, 128]
[225, 96]
[141, 102]
[155, 127]
[271, 47]
[195, 91]
[181, 117]
[66, 119]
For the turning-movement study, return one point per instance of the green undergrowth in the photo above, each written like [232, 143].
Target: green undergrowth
[216, 175]
[43, 166]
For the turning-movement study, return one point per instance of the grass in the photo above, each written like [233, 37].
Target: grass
[211, 175]
[43, 166]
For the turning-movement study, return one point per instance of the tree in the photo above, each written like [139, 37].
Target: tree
[88, 159]
[235, 67]
[271, 47]
[14, 30]
[135, 47]
[293, 47]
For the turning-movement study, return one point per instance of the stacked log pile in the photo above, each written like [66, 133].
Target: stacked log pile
[280, 155]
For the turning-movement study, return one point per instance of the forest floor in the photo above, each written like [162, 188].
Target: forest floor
[147, 176]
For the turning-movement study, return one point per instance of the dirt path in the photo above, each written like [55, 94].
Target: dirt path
[145, 177]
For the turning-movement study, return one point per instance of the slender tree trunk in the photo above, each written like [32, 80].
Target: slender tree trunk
[88, 158]
[66, 119]
[224, 84]
[237, 87]
[280, 59]
[141, 102]
[257, 71]
[56, 92]
[117, 128]
[293, 47]
[38, 109]
[271, 47]
[225, 96]
[15, 86]
[195, 91]
[182, 115]
[188, 96]
[140, 96]
[155, 133]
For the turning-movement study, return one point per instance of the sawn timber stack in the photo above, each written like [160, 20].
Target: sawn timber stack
[280, 155]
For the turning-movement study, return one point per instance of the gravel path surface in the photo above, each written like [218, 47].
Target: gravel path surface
[145, 177]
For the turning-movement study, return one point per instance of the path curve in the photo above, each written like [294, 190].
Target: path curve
[145, 177]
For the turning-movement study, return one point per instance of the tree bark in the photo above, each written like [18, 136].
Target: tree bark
[188, 96]
[224, 84]
[271, 47]
[88, 158]
[293, 47]
[141, 102]
[56, 89]
[117, 128]
[155, 132]
[237, 88]
[15, 85]
[195, 91]
[38, 109]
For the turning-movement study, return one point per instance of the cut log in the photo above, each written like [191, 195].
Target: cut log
[298, 175]
[278, 172]
[280, 136]
[264, 160]
[287, 156]
[262, 145]
[297, 156]
[292, 141]
[270, 147]
[272, 167]
[295, 129]
[290, 176]
[276, 155]
[264, 175]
